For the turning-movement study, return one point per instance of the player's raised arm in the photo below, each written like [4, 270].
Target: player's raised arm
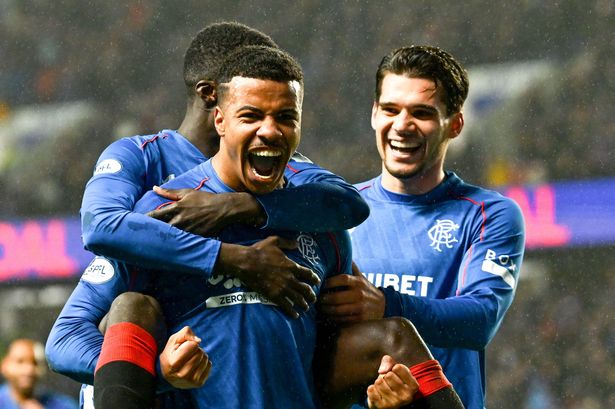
[314, 200]
[111, 228]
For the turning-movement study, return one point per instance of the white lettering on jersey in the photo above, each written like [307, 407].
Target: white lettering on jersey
[408, 284]
[99, 271]
[226, 300]
[108, 166]
[442, 233]
[229, 282]
[502, 266]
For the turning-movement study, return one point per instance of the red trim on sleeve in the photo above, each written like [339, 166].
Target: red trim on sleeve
[482, 211]
[291, 168]
[430, 377]
[338, 263]
[200, 185]
[129, 343]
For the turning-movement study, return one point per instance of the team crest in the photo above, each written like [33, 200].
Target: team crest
[441, 234]
[307, 248]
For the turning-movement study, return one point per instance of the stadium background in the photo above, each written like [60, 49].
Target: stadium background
[75, 75]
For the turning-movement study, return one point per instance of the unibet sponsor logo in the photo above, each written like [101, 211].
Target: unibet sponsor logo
[227, 300]
[99, 271]
[405, 284]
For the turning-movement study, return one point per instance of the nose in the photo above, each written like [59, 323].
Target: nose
[403, 122]
[269, 129]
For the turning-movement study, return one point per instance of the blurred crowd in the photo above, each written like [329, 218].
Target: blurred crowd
[121, 64]
[556, 348]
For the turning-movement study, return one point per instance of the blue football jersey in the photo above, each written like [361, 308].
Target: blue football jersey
[261, 358]
[448, 261]
[131, 166]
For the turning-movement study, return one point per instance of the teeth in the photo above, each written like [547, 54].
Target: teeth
[268, 177]
[267, 153]
[404, 144]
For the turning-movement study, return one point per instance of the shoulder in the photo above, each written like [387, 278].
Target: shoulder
[367, 187]
[5, 398]
[125, 152]
[193, 178]
[495, 206]
[299, 162]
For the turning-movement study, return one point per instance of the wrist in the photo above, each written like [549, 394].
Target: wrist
[230, 258]
[249, 210]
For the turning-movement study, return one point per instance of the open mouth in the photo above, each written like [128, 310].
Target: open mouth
[405, 147]
[264, 162]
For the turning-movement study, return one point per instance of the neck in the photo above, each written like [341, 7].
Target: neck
[199, 129]
[21, 396]
[419, 184]
[219, 164]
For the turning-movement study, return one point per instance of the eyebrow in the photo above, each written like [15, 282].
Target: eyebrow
[414, 106]
[255, 109]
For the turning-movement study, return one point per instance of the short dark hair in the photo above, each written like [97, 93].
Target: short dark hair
[212, 44]
[431, 63]
[260, 62]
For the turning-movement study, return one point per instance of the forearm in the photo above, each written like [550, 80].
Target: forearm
[456, 322]
[74, 343]
[138, 239]
[314, 207]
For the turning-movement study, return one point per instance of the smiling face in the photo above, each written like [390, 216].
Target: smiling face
[259, 123]
[412, 133]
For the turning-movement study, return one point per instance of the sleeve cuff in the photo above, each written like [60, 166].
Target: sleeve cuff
[392, 307]
[265, 203]
[161, 384]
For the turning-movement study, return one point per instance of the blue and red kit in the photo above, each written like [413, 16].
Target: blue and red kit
[131, 166]
[261, 358]
[448, 261]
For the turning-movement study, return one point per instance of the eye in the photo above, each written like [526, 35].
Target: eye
[249, 116]
[422, 113]
[287, 117]
[389, 110]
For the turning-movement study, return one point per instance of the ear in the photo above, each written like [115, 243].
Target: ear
[374, 111]
[456, 122]
[206, 90]
[219, 122]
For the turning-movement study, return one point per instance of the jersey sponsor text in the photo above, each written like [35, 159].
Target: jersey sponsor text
[406, 284]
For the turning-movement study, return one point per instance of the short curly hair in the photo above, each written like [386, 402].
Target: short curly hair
[431, 63]
[212, 44]
[260, 62]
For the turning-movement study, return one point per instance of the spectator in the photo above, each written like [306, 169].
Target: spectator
[22, 367]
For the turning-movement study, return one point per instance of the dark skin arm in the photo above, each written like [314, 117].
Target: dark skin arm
[354, 299]
[263, 267]
[206, 214]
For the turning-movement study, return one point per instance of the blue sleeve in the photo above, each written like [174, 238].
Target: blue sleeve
[112, 229]
[487, 280]
[328, 202]
[75, 341]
